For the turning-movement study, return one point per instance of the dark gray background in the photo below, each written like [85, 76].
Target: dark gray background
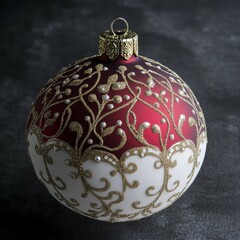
[200, 40]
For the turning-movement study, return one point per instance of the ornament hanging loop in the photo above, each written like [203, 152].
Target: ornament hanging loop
[121, 32]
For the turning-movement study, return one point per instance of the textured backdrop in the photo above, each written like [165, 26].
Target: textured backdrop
[200, 40]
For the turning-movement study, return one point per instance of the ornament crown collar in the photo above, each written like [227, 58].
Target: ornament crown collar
[120, 42]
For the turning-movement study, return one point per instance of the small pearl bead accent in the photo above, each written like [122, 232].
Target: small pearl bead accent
[126, 97]
[146, 124]
[103, 124]
[119, 122]
[97, 159]
[87, 118]
[90, 141]
[182, 116]
[163, 120]
[132, 73]
[110, 106]
[171, 136]
[105, 97]
[105, 68]
[163, 92]
[181, 92]
[67, 101]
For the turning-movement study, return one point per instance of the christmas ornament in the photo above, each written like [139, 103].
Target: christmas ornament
[117, 136]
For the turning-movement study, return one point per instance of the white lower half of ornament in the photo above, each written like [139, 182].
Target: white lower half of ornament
[141, 183]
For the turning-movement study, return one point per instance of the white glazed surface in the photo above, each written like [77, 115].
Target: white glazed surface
[146, 174]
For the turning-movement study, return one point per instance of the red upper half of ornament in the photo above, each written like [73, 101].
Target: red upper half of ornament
[100, 104]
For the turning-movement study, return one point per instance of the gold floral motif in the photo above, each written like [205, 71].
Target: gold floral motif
[118, 81]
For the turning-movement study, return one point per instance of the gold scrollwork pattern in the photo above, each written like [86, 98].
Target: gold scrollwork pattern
[91, 134]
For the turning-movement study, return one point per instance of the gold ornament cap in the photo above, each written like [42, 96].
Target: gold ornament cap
[121, 42]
